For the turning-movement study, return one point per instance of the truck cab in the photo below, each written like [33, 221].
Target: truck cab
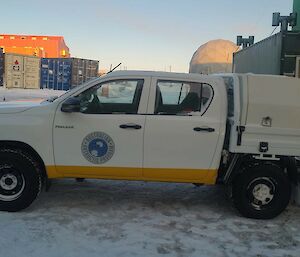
[141, 126]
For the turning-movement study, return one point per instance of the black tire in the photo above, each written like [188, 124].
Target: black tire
[262, 191]
[20, 180]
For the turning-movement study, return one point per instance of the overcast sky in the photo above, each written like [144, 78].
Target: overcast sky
[142, 34]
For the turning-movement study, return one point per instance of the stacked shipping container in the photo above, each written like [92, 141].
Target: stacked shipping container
[22, 71]
[83, 70]
[56, 73]
[64, 73]
[23, 68]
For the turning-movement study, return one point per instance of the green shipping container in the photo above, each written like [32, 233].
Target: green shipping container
[276, 55]
[297, 10]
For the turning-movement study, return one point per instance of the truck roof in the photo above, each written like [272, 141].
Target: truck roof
[178, 75]
[156, 74]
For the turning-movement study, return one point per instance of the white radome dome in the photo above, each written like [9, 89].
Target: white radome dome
[213, 57]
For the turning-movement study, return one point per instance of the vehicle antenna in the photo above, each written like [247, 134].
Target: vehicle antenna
[111, 70]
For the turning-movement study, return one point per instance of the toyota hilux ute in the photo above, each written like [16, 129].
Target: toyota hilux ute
[239, 130]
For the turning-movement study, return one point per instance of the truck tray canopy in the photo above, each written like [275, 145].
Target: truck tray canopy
[265, 117]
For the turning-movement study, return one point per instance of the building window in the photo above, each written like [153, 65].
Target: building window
[33, 38]
[45, 38]
[1, 37]
[12, 37]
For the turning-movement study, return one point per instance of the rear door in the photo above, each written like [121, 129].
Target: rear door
[183, 131]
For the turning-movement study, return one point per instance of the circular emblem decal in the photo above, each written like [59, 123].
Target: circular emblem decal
[98, 147]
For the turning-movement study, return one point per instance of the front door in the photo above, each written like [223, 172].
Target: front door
[104, 139]
[182, 134]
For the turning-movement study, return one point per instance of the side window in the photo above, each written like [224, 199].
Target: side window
[179, 98]
[173, 93]
[118, 96]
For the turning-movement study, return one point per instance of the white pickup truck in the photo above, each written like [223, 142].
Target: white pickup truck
[237, 130]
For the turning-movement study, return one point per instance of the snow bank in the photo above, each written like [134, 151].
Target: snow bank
[27, 94]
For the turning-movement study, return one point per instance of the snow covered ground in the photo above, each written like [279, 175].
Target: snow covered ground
[26, 94]
[117, 218]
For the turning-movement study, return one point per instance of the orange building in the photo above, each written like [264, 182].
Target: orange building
[41, 46]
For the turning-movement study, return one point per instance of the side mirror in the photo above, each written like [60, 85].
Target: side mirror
[72, 104]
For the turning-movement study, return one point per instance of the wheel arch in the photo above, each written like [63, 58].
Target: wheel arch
[286, 162]
[29, 150]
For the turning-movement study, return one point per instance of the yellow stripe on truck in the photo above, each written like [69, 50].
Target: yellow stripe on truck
[203, 176]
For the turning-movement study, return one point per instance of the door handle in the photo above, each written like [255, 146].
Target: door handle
[130, 126]
[204, 129]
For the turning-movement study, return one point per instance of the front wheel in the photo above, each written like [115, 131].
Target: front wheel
[20, 180]
[262, 191]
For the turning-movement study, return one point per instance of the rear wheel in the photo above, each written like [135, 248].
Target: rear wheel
[20, 180]
[262, 191]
